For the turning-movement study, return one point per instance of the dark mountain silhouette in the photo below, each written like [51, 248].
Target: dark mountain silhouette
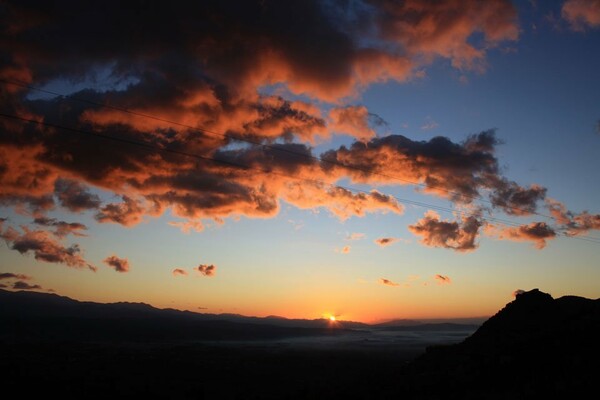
[34, 308]
[28, 316]
[535, 347]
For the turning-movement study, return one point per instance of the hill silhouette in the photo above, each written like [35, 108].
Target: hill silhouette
[535, 347]
[26, 316]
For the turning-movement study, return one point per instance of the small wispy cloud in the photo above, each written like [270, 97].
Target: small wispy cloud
[22, 285]
[188, 226]
[206, 270]
[388, 282]
[10, 275]
[355, 236]
[179, 271]
[429, 124]
[296, 224]
[118, 264]
[385, 241]
[442, 279]
[343, 250]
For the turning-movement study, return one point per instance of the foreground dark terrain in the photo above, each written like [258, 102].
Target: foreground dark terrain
[54, 345]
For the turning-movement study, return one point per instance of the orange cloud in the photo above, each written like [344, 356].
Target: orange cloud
[582, 13]
[352, 120]
[179, 271]
[385, 241]
[188, 226]
[206, 270]
[571, 223]
[442, 279]
[355, 236]
[118, 264]
[344, 250]
[536, 232]
[253, 142]
[339, 201]
[443, 29]
[448, 234]
[387, 282]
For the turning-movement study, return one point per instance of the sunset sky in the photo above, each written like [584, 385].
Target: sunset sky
[367, 159]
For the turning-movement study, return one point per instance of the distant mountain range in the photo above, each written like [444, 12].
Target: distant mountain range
[29, 315]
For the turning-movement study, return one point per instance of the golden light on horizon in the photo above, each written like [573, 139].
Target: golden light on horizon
[332, 318]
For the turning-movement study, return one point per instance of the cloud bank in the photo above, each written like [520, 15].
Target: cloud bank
[218, 116]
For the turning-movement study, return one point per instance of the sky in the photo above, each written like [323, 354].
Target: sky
[366, 159]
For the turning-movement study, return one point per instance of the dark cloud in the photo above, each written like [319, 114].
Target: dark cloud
[454, 170]
[62, 228]
[3, 286]
[10, 275]
[385, 241]
[118, 264]
[28, 205]
[179, 271]
[442, 279]
[74, 196]
[387, 282]
[22, 285]
[206, 270]
[516, 200]
[518, 292]
[310, 46]
[448, 234]
[44, 247]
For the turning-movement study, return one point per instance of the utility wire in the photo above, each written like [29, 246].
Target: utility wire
[269, 171]
[271, 147]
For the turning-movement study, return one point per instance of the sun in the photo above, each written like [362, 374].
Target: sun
[332, 318]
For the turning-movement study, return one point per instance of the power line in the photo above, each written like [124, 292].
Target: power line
[271, 147]
[269, 171]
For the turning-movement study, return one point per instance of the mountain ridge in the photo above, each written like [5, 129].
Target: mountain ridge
[534, 347]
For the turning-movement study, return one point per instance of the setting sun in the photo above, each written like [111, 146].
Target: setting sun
[332, 318]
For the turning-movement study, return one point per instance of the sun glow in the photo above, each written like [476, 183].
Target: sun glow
[332, 318]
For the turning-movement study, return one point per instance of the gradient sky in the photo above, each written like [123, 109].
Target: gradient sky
[365, 159]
